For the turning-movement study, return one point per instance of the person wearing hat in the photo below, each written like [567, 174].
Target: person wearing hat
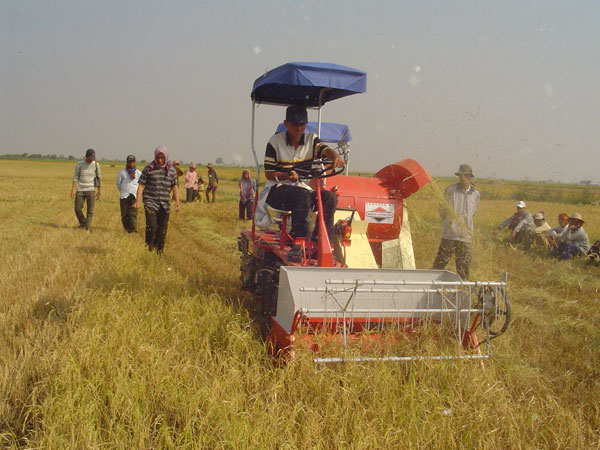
[284, 189]
[127, 184]
[540, 236]
[574, 241]
[155, 184]
[462, 200]
[213, 182]
[86, 188]
[520, 225]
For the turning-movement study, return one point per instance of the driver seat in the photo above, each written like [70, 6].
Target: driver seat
[282, 218]
[277, 215]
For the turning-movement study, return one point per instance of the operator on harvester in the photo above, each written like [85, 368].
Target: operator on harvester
[287, 151]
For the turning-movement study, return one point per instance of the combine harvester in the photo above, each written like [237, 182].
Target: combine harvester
[361, 293]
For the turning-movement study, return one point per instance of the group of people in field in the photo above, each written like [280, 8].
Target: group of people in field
[154, 184]
[565, 241]
[194, 184]
[154, 187]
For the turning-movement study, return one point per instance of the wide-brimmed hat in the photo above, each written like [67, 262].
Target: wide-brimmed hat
[465, 169]
[538, 216]
[209, 165]
[577, 216]
[521, 204]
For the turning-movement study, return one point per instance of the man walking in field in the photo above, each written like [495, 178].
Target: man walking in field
[457, 220]
[85, 182]
[127, 184]
[155, 184]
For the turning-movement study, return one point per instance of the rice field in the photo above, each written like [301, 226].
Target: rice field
[105, 345]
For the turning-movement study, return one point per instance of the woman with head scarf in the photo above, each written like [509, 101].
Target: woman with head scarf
[191, 183]
[247, 191]
[157, 180]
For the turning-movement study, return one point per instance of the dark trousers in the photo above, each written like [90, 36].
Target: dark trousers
[300, 201]
[190, 195]
[566, 250]
[156, 228]
[462, 252]
[128, 213]
[90, 198]
[246, 208]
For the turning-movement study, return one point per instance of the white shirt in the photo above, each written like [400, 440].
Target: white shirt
[459, 226]
[127, 185]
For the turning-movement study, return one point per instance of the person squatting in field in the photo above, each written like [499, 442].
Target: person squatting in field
[284, 190]
[157, 180]
[191, 183]
[540, 233]
[127, 184]
[520, 225]
[574, 241]
[86, 188]
[247, 191]
[457, 219]
[553, 233]
[213, 182]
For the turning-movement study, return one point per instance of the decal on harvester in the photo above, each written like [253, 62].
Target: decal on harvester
[379, 212]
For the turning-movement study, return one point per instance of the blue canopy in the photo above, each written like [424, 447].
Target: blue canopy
[330, 132]
[300, 83]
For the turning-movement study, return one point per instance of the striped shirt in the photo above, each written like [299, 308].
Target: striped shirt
[157, 187]
[84, 175]
[281, 156]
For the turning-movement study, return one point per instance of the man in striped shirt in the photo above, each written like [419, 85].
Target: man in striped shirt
[155, 183]
[285, 151]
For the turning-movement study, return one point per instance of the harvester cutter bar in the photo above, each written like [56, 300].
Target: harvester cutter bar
[397, 358]
[417, 283]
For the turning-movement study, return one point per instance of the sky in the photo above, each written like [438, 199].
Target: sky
[509, 87]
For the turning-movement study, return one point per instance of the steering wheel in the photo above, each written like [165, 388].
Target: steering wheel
[313, 171]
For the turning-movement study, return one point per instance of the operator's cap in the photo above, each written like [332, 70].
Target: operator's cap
[521, 204]
[130, 158]
[538, 216]
[464, 169]
[296, 114]
[577, 216]
[90, 154]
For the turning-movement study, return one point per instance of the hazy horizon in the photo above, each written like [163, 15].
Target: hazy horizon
[509, 88]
